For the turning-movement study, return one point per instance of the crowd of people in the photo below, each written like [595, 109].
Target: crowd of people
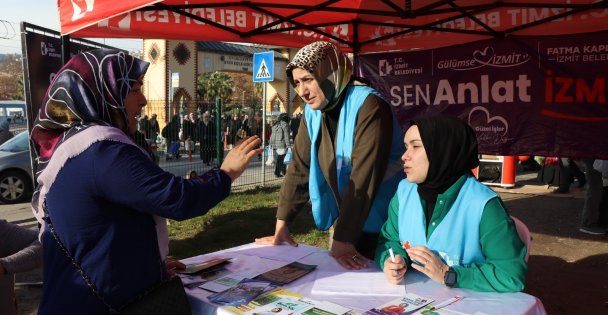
[190, 134]
[372, 184]
[590, 174]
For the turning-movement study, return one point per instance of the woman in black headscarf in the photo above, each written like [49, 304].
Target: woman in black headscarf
[443, 222]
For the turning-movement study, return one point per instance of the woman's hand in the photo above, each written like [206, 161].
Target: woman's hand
[281, 234]
[395, 271]
[433, 267]
[237, 159]
[347, 255]
[172, 264]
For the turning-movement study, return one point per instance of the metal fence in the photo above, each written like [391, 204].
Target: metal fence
[181, 146]
[257, 173]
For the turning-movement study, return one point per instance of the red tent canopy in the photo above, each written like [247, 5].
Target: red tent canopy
[356, 25]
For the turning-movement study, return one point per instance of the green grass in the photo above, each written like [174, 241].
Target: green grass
[238, 220]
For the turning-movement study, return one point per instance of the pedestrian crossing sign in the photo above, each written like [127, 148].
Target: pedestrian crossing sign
[263, 66]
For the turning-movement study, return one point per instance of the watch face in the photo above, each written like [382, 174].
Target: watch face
[450, 278]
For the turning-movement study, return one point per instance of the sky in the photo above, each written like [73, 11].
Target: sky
[42, 13]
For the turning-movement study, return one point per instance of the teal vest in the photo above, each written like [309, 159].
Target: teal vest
[325, 207]
[456, 238]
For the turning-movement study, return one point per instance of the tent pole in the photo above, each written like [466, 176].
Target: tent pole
[65, 49]
[355, 46]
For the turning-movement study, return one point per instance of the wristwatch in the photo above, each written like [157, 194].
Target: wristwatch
[450, 278]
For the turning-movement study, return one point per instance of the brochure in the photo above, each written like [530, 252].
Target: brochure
[287, 273]
[327, 308]
[404, 305]
[242, 293]
[195, 268]
[428, 310]
[223, 283]
[263, 299]
[285, 306]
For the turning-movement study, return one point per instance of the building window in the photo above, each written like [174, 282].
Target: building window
[181, 54]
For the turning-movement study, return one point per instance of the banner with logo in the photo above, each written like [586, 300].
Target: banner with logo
[43, 61]
[373, 25]
[523, 95]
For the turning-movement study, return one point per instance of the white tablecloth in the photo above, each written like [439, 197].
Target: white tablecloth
[252, 259]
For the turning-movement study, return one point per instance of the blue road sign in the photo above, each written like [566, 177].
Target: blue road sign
[263, 66]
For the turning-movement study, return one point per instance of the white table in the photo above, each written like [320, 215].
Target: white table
[253, 259]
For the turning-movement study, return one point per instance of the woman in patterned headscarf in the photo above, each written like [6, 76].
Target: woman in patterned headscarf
[345, 157]
[102, 193]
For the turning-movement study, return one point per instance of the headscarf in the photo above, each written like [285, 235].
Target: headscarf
[85, 101]
[89, 90]
[451, 148]
[328, 65]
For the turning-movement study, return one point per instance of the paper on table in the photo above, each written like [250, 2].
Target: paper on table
[354, 283]
[285, 253]
[224, 283]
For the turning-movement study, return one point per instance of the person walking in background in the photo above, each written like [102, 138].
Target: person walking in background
[144, 126]
[294, 124]
[171, 134]
[459, 231]
[194, 135]
[279, 142]
[593, 198]
[553, 173]
[345, 159]
[95, 228]
[154, 128]
[224, 130]
[206, 131]
[234, 126]
[20, 251]
[602, 167]
[257, 129]
[5, 132]
[187, 133]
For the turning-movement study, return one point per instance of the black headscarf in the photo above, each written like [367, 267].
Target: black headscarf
[451, 147]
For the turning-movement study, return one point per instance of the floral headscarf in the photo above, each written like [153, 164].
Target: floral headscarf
[84, 101]
[89, 90]
[328, 65]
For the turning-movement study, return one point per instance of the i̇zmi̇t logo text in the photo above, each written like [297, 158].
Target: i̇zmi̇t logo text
[398, 67]
[384, 67]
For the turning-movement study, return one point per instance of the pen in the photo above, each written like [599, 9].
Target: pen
[446, 303]
[390, 251]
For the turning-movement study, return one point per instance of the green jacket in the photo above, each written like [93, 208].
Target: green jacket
[505, 269]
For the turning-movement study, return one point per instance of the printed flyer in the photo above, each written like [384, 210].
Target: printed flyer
[404, 305]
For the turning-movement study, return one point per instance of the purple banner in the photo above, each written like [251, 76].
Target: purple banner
[523, 95]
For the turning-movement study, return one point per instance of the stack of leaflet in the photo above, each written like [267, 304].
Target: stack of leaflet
[281, 301]
[241, 293]
[287, 273]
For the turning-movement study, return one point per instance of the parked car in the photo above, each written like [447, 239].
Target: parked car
[16, 182]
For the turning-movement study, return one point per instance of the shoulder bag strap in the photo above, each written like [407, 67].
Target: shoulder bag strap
[83, 274]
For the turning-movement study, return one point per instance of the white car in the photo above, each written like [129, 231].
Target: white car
[16, 182]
